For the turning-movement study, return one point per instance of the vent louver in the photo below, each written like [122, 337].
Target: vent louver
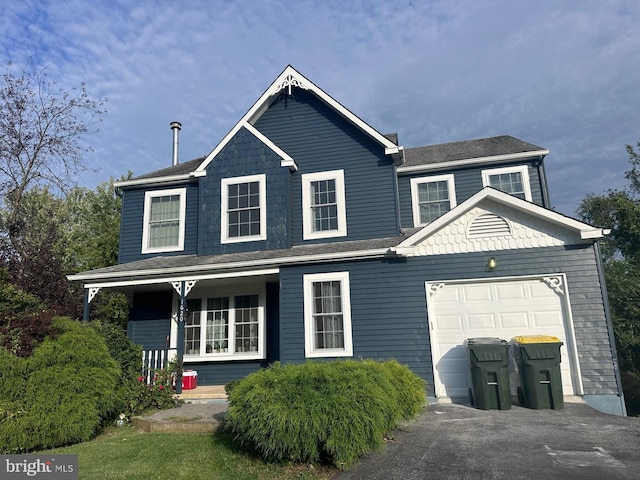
[488, 225]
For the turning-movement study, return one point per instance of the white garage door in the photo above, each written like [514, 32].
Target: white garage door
[504, 309]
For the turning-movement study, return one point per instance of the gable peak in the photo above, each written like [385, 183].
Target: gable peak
[288, 79]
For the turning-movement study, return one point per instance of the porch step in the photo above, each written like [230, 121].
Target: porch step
[206, 392]
[196, 417]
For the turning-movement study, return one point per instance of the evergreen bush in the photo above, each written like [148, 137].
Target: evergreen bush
[333, 412]
[69, 389]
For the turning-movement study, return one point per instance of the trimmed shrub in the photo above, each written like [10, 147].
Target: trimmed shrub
[69, 390]
[333, 412]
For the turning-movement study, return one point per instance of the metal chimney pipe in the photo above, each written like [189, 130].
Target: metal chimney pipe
[175, 126]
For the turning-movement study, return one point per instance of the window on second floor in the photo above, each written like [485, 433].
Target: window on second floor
[512, 180]
[432, 197]
[164, 218]
[224, 328]
[323, 203]
[243, 209]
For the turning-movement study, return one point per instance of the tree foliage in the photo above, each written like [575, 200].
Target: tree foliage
[620, 211]
[41, 127]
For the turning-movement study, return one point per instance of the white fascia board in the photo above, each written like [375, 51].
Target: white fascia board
[586, 231]
[169, 279]
[260, 106]
[388, 145]
[148, 182]
[472, 161]
[233, 269]
[287, 161]
[594, 233]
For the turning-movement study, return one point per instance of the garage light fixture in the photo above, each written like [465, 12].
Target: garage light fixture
[492, 264]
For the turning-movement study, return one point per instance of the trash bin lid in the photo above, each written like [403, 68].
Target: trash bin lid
[484, 341]
[521, 339]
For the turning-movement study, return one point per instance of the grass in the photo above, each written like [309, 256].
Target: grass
[126, 454]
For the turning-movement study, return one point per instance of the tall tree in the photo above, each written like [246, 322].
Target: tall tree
[41, 127]
[620, 211]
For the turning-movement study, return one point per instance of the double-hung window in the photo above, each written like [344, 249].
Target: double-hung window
[164, 218]
[224, 327]
[327, 315]
[243, 209]
[512, 180]
[432, 197]
[323, 205]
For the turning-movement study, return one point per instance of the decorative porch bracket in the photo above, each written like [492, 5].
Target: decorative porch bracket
[182, 288]
[89, 294]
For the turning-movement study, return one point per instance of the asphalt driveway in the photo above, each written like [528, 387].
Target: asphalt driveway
[452, 441]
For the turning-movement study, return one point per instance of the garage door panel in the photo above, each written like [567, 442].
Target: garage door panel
[449, 322]
[519, 320]
[481, 322]
[501, 309]
[510, 292]
[477, 293]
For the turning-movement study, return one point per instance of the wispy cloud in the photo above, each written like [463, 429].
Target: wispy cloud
[555, 73]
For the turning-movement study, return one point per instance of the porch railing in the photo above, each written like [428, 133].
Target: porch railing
[155, 360]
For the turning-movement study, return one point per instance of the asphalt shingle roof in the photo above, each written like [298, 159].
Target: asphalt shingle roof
[180, 169]
[468, 149]
[162, 263]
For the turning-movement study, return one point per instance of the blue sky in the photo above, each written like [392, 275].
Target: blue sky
[560, 74]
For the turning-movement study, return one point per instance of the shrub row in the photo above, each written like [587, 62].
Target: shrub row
[331, 412]
[61, 394]
[71, 385]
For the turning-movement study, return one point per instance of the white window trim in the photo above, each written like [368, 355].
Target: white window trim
[148, 196]
[524, 172]
[415, 182]
[224, 206]
[308, 282]
[307, 218]
[221, 357]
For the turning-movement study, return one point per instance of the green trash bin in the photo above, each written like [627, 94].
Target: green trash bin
[489, 369]
[538, 359]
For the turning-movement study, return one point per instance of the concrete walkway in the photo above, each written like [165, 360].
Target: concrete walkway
[203, 411]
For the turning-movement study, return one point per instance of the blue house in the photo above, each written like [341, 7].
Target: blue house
[307, 234]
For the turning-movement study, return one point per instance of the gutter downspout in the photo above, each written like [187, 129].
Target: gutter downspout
[543, 182]
[607, 314]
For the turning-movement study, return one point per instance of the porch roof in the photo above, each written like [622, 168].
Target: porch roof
[178, 267]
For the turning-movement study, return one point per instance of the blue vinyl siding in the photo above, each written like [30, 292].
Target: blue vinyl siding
[245, 155]
[319, 140]
[389, 313]
[150, 319]
[131, 223]
[468, 181]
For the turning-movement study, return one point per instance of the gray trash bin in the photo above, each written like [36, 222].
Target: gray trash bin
[489, 367]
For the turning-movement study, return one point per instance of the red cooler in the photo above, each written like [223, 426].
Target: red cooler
[189, 379]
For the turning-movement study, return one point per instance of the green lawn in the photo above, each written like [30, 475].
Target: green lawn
[125, 453]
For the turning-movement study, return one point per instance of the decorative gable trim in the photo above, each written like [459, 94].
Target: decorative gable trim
[291, 80]
[288, 79]
[494, 220]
